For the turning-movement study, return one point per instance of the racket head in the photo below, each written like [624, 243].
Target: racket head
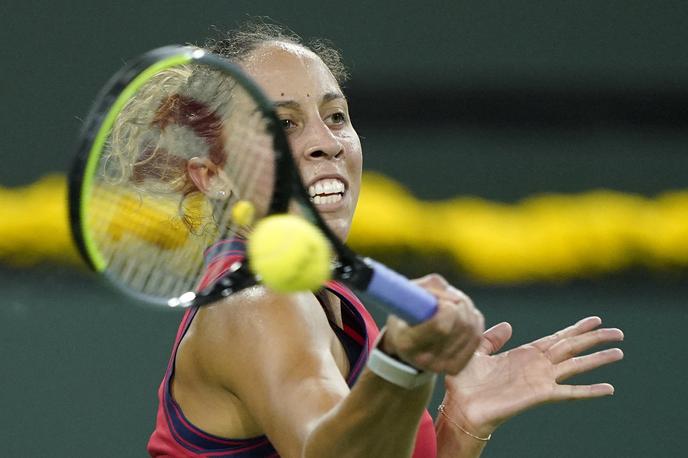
[181, 150]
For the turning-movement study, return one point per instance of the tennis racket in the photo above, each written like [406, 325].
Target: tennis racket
[181, 151]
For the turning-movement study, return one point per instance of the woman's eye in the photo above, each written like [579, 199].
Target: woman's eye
[287, 124]
[338, 118]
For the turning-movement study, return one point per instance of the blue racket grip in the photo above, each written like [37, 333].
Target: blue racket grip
[407, 300]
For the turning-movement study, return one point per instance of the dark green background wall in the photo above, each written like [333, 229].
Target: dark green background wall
[500, 99]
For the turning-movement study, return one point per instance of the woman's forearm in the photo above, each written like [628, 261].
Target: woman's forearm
[377, 418]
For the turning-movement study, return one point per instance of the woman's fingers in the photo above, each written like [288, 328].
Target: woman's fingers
[582, 326]
[452, 359]
[574, 392]
[435, 281]
[446, 342]
[453, 318]
[581, 364]
[494, 338]
[460, 333]
[575, 345]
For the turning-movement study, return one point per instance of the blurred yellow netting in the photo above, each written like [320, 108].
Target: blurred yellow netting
[542, 237]
[33, 224]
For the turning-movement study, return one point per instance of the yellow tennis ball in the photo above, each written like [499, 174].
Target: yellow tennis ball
[243, 213]
[289, 254]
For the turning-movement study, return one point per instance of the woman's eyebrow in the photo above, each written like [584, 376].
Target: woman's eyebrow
[291, 104]
[328, 97]
[294, 105]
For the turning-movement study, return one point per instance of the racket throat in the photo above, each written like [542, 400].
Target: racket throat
[355, 272]
[239, 277]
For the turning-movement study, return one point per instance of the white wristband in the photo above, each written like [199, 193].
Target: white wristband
[395, 371]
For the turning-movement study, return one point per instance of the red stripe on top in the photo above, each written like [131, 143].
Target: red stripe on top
[426, 439]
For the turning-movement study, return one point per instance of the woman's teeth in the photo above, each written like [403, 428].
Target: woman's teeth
[326, 191]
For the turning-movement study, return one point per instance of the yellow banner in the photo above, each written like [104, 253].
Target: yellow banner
[540, 238]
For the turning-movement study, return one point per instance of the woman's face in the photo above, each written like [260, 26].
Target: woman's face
[315, 117]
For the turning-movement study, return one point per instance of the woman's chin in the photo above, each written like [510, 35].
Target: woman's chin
[340, 226]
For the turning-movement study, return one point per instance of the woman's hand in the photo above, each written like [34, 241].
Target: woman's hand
[494, 387]
[447, 341]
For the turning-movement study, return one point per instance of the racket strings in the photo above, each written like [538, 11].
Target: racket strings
[150, 222]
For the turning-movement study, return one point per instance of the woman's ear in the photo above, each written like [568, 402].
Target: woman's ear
[208, 178]
[200, 170]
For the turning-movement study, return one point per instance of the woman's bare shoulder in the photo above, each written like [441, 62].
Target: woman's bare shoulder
[257, 324]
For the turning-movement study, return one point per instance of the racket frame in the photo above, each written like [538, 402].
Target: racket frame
[98, 124]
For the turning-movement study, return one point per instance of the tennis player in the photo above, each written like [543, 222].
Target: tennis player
[261, 374]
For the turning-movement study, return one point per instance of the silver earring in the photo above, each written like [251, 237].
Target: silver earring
[221, 194]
